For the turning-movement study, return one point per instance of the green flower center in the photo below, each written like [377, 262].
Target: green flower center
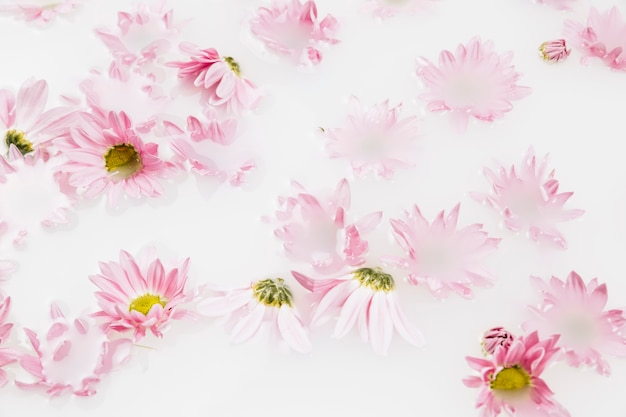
[272, 292]
[374, 279]
[17, 138]
[510, 379]
[144, 303]
[123, 160]
[234, 65]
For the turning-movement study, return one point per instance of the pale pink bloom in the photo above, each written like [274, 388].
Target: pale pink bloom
[577, 312]
[604, 37]
[558, 4]
[439, 255]
[40, 12]
[267, 303]
[292, 28]
[375, 139]
[475, 82]
[528, 197]
[388, 8]
[213, 128]
[7, 355]
[141, 295]
[315, 229]
[555, 50]
[496, 337]
[366, 298]
[510, 380]
[74, 357]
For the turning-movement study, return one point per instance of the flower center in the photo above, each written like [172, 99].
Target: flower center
[123, 160]
[144, 303]
[374, 279]
[510, 379]
[234, 65]
[17, 138]
[272, 292]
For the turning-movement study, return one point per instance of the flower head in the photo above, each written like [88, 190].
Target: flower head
[475, 82]
[554, 51]
[388, 8]
[577, 312]
[496, 337]
[40, 12]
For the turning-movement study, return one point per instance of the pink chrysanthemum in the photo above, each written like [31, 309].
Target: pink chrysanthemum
[603, 37]
[576, 312]
[528, 197]
[439, 255]
[7, 355]
[38, 11]
[249, 309]
[554, 51]
[292, 28]
[388, 8]
[510, 381]
[496, 337]
[376, 139]
[365, 298]
[107, 155]
[74, 356]
[475, 82]
[142, 295]
[315, 230]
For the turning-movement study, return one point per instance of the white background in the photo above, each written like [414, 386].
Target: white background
[575, 113]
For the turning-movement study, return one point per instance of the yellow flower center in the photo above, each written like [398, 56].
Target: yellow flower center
[144, 303]
[123, 160]
[374, 279]
[234, 65]
[272, 292]
[511, 379]
[17, 138]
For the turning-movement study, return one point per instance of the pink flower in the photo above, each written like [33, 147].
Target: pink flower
[558, 4]
[221, 131]
[264, 303]
[365, 298]
[496, 337]
[476, 82]
[510, 381]
[292, 28]
[376, 139]
[528, 198]
[40, 13]
[74, 356]
[577, 312]
[142, 295]
[7, 355]
[439, 255]
[388, 8]
[554, 51]
[315, 230]
[603, 37]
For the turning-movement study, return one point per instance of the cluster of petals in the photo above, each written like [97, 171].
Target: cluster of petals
[603, 37]
[40, 12]
[292, 28]
[496, 337]
[576, 311]
[384, 9]
[476, 81]
[440, 256]
[555, 50]
[376, 139]
[7, 355]
[528, 198]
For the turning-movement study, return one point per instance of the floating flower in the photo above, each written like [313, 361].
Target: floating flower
[528, 198]
[603, 37]
[140, 296]
[439, 255]
[40, 11]
[554, 51]
[476, 82]
[292, 28]
[388, 8]
[7, 355]
[315, 230]
[365, 298]
[510, 380]
[577, 312]
[74, 356]
[496, 337]
[376, 139]
[267, 302]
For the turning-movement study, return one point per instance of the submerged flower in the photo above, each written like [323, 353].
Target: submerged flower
[7, 355]
[528, 197]
[603, 37]
[365, 298]
[389, 8]
[292, 28]
[510, 380]
[267, 302]
[555, 50]
[140, 296]
[496, 337]
[439, 255]
[376, 139]
[40, 11]
[577, 312]
[475, 82]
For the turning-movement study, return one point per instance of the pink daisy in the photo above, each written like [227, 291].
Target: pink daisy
[264, 303]
[315, 230]
[292, 28]
[388, 8]
[475, 82]
[577, 312]
[7, 355]
[603, 37]
[74, 356]
[528, 197]
[40, 12]
[510, 380]
[439, 255]
[554, 51]
[142, 295]
[376, 139]
[365, 298]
